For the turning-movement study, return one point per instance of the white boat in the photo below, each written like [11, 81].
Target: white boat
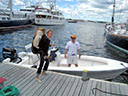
[49, 16]
[30, 11]
[98, 67]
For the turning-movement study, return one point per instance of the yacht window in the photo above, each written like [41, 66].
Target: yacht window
[48, 17]
[55, 18]
[61, 18]
[3, 18]
[40, 16]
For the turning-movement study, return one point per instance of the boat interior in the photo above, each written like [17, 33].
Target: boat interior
[60, 61]
[82, 62]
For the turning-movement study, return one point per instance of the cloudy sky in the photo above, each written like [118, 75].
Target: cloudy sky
[98, 10]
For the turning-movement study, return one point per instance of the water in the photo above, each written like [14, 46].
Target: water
[90, 36]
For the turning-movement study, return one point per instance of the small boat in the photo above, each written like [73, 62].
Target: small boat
[72, 21]
[98, 67]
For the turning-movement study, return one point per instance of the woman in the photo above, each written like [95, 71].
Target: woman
[44, 45]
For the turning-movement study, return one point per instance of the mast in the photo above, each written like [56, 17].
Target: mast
[52, 4]
[113, 14]
[10, 7]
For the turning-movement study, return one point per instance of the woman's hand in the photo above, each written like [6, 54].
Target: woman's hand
[46, 57]
[53, 44]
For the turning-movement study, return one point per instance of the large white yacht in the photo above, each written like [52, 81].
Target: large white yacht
[49, 16]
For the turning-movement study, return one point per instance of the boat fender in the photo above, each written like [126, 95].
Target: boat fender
[85, 75]
[6, 61]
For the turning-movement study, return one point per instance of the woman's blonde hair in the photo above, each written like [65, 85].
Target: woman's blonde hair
[39, 29]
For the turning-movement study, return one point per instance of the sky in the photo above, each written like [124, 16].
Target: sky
[96, 10]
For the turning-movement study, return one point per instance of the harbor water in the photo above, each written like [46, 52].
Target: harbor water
[90, 36]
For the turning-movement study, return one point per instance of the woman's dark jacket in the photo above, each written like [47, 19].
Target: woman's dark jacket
[44, 44]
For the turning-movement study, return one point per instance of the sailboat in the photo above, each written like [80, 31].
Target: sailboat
[10, 19]
[117, 35]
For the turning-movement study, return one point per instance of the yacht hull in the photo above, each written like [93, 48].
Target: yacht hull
[118, 42]
[14, 24]
[49, 22]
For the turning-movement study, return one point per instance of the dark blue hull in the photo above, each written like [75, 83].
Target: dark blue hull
[117, 40]
[12, 24]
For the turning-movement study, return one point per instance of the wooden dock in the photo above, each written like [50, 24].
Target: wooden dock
[57, 84]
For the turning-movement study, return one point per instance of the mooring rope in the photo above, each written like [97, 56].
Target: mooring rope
[93, 92]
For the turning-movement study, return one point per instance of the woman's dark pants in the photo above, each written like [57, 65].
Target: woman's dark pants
[42, 63]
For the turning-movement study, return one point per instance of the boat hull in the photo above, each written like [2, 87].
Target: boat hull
[50, 22]
[14, 24]
[105, 75]
[118, 42]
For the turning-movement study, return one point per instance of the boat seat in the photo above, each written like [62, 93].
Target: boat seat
[30, 54]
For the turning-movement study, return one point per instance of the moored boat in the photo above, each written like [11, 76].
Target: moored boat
[117, 41]
[49, 16]
[98, 67]
[10, 19]
[117, 35]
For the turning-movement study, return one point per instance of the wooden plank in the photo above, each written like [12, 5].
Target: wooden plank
[49, 85]
[75, 84]
[94, 83]
[5, 72]
[83, 89]
[89, 88]
[13, 77]
[108, 89]
[78, 88]
[43, 86]
[59, 86]
[68, 87]
[24, 80]
[103, 88]
[26, 83]
[97, 92]
[113, 89]
[62, 89]
[12, 72]
[36, 85]
[5, 67]
[53, 87]
[123, 89]
[117, 88]
[17, 77]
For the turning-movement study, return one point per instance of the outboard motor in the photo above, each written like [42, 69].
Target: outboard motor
[9, 53]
